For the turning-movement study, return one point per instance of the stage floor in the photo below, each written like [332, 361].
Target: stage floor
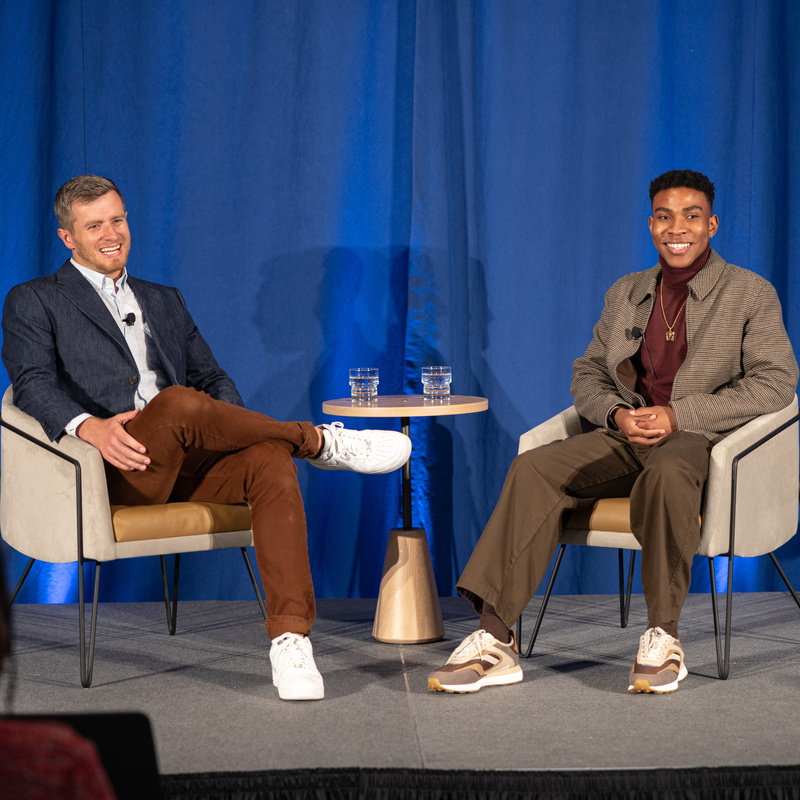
[208, 692]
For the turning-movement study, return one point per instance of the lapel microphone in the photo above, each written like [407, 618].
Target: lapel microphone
[636, 332]
[131, 318]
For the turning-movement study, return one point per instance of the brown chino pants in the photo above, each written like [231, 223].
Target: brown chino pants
[204, 449]
[664, 481]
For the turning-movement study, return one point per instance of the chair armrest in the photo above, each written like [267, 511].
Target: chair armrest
[767, 487]
[563, 425]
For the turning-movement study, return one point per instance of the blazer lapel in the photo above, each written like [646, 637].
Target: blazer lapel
[73, 286]
[158, 317]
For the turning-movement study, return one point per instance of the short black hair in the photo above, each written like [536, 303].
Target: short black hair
[683, 177]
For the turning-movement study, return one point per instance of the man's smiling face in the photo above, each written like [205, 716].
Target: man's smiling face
[681, 225]
[99, 239]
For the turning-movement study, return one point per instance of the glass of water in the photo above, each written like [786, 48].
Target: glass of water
[436, 382]
[364, 383]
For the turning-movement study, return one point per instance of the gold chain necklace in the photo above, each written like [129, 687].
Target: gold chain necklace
[670, 328]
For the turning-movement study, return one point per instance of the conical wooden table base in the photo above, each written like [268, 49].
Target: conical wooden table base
[408, 609]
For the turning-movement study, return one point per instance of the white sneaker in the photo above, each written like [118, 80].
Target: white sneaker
[293, 669]
[362, 451]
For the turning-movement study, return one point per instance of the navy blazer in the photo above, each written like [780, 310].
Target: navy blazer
[66, 356]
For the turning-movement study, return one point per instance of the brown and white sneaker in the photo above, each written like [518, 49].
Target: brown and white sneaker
[659, 663]
[480, 660]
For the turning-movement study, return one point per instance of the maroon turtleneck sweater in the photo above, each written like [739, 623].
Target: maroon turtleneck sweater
[658, 359]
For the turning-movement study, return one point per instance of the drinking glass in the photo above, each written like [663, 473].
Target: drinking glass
[436, 382]
[364, 383]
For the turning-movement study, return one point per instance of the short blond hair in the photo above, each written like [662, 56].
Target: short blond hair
[82, 189]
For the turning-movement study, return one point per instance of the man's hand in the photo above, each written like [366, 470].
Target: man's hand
[647, 425]
[115, 444]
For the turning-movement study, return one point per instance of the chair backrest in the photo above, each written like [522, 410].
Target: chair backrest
[38, 506]
[766, 488]
[38, 493]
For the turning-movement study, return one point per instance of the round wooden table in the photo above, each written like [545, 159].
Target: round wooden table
[408, 610]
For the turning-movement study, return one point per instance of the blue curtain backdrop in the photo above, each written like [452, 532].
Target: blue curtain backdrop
[336, 183]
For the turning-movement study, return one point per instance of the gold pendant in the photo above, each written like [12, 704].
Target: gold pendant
[670, 336]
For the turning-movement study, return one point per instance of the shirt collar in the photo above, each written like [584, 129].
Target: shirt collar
[101, 282]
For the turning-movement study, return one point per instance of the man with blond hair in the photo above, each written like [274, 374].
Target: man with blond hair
[117, 361]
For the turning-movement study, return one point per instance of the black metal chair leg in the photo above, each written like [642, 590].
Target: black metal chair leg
[542, 607]
[171, 606]
[625, 590]
[785, 579]
[20, 582]
[722, 642]
[87, 660]
[252, 575]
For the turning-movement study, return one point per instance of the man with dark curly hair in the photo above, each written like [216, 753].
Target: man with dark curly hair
[683, 354]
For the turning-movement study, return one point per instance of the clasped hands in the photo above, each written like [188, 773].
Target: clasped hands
[647, 425]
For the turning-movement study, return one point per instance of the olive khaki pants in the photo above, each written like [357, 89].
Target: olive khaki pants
[665, 484]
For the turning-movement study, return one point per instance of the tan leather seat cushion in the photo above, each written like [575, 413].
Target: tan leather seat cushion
[137, 523]
[607, 514]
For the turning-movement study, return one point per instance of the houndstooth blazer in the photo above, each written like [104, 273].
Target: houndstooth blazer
[739, 362]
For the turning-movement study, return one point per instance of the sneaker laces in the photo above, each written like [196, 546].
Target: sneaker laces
[292, 651]
[345, 444]
[472, 647]
[654, 645]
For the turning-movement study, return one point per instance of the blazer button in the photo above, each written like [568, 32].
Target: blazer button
[134, 379]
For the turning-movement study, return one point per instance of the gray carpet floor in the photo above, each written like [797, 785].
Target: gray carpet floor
[212, 706]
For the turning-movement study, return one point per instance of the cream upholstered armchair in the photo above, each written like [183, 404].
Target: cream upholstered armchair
[54, 507]
[750, 508]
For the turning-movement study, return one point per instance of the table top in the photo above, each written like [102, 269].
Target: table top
[405, 405]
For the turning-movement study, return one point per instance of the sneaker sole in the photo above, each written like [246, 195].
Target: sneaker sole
[435, 685]
[386, 468]
[642, 685]
[390, 466]
[382, 471]
[313, 694]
